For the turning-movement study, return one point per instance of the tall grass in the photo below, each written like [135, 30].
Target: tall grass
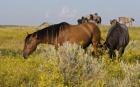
[67, 66]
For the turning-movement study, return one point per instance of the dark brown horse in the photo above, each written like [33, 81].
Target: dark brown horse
[57, 34]
[117, 38]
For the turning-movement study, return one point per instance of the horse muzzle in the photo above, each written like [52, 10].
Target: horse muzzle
[25, 55]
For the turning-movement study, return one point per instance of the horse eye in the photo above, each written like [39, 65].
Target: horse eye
[29, 41]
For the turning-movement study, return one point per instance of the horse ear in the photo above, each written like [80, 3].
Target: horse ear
[35, 35]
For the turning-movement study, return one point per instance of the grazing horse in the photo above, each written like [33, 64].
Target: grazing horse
[117, 38]
[126, 20]
[57, 34]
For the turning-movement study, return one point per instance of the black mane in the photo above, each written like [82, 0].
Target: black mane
[52, 31]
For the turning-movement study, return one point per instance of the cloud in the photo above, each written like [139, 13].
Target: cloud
[66, 12]
[61, 14]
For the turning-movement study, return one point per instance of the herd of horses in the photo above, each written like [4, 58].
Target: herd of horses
[83, 34]
[90, 18]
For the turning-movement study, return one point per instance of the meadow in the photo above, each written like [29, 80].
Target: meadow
[68, 66]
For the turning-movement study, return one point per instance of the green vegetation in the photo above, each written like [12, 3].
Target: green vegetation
[68, 66]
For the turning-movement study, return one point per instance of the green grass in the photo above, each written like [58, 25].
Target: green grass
[69, 66]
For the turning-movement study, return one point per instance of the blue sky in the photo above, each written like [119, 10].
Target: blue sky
[34, 12]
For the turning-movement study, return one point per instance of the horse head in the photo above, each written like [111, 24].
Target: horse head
[31, 42]
[113, 22]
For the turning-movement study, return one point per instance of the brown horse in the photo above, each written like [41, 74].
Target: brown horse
[57, 34]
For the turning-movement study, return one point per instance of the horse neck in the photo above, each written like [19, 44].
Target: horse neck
[49, 37]
[51, 34]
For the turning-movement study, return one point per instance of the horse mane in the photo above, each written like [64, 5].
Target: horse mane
[51, 31]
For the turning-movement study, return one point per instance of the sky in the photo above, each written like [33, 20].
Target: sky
[35, 12]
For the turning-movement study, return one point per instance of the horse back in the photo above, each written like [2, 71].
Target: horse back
[81, 34]
[117, 36]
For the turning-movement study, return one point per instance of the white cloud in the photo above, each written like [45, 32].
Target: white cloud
[66, 12]
[61, 14]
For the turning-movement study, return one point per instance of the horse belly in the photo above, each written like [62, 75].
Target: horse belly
[79, 39]
[82, 40]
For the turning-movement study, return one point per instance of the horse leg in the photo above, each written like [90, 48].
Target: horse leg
[95, 43]
[111, 53]
[121, 51]
[94, 48]
[114, 54]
